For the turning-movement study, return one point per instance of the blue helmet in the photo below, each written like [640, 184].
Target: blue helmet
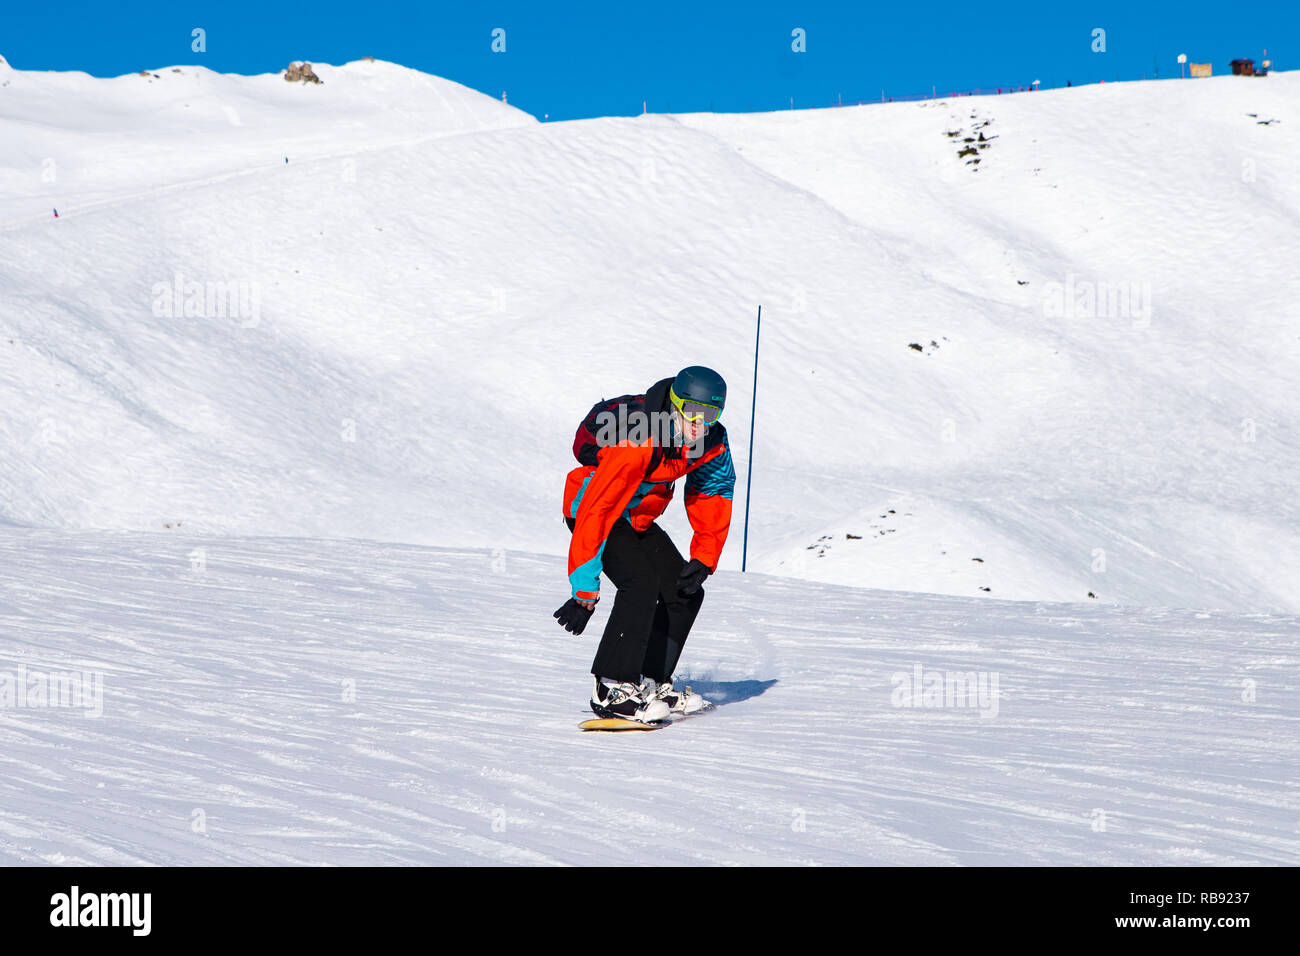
[700, 384]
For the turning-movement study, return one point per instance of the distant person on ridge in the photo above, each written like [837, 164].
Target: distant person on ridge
[632, 450]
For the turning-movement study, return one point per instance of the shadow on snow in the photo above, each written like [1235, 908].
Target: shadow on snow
[727, 692]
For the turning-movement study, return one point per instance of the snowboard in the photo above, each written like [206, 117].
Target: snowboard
[616, 724]
[619, 723]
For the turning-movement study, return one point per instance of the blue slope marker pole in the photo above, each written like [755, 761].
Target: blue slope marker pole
[749, 472]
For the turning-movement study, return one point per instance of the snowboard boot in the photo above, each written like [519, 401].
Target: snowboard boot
[680, 702]
[612, 698]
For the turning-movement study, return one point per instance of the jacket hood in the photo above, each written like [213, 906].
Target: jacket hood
[656, 396]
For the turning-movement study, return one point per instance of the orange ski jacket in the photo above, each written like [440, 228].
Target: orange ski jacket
[634, 480]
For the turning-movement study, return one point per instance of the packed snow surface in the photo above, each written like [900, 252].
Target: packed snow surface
[319, 701]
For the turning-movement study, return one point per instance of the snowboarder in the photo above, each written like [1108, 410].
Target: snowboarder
[632, 450]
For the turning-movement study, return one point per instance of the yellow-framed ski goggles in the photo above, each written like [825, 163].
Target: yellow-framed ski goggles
[694, 411]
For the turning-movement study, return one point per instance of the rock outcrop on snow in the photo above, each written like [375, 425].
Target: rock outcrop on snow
[301, 73]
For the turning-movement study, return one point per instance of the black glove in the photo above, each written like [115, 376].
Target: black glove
[573, 616]
[692, 576]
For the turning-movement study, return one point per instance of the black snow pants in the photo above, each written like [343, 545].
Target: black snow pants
[650, 621]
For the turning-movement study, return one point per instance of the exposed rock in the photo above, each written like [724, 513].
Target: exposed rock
[301, 72]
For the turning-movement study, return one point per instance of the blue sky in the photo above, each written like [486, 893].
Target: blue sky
[593, 59]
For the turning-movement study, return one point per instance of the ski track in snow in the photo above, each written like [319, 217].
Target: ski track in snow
[224, 692]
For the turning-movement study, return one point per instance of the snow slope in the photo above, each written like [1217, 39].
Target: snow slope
[293, 701]
[302, 539]
[436, 287]
[76, 141]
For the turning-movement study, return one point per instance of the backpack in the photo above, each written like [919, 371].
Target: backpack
[585, 444]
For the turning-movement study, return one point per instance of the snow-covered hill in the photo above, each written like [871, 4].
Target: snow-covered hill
[73, 141]
[289, 389]
[392, 334]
